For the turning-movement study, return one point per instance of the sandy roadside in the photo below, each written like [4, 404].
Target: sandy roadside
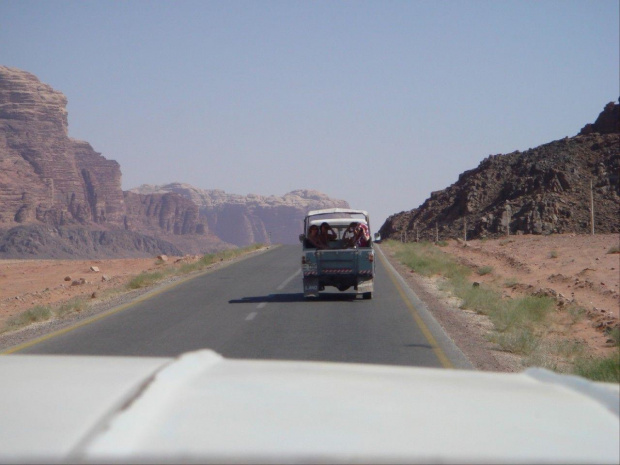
[571, 268]
[28, 283]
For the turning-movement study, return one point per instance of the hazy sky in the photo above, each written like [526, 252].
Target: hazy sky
[375, 102]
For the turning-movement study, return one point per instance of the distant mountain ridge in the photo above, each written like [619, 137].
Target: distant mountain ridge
[61, 199]
[540, 191]
[242, 220]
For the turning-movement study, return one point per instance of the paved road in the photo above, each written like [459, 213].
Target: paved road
[255, 309]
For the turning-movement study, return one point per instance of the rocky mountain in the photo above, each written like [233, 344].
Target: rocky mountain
[59, 198]
[38, 240]
[540, 191]
[242, 220]
[52, 186]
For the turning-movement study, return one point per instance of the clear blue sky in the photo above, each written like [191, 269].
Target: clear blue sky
[375, 102]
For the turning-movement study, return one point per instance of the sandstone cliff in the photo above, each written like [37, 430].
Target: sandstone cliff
[48, 179]
[44, 175]
[543, 190]
[242, 220]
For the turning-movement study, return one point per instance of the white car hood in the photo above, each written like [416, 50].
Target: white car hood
[204, 408]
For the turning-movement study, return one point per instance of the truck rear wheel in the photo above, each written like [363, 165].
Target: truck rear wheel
[367, 295]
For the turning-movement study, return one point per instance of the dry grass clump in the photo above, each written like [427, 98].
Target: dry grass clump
[614, 249]
[614, 335]
[428, 260]
[599, 369]
[32, 315]
[44, 313]
[511, 282]
[146, 279]
[211, 258]
[484, 270]
[73, 306]
[575, 312]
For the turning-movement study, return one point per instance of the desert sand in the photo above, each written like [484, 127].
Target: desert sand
[28, 283]
[576, 267]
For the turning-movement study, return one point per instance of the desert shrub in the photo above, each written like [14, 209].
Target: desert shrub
[614, 249]
[511, 282]
[32, 315]
[526, 312]
[187, 268]
[484, 270]
[599, 369]
[479, 299]
[542, 359]
[74, 305]
[553, 254]
[521, 341]
[568, 349]
[533, 308]
[427, 260]
[614, 335]
[145, 279]
[505, 314]
[210, 258]
[576, 312]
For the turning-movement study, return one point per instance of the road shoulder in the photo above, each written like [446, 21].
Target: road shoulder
[466, 329]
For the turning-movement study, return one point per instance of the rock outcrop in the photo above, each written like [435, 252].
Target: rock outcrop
[541, 191]
[44, 175]
[608, 122]
[243, 220]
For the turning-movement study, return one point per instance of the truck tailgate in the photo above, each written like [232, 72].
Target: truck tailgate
[337, 261]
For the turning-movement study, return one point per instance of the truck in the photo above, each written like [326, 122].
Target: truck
[338, 262]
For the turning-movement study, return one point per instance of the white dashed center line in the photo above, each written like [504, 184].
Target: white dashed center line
[252, 315]
[288, 280]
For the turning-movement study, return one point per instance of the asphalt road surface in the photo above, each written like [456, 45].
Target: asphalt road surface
[255, 309]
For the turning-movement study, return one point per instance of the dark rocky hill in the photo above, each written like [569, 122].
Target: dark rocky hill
[540, 191]
[67, 242]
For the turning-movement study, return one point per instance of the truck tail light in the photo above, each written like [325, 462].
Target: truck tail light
[303, 260]
[371, 257]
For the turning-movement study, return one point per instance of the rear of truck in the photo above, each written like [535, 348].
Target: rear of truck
[337, 265]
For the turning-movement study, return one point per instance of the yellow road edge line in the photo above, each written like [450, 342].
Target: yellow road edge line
[443, 359]
[148, 295]
[93, 319]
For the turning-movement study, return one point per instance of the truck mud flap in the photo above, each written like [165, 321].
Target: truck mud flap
[365, 286]
[311, 287]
